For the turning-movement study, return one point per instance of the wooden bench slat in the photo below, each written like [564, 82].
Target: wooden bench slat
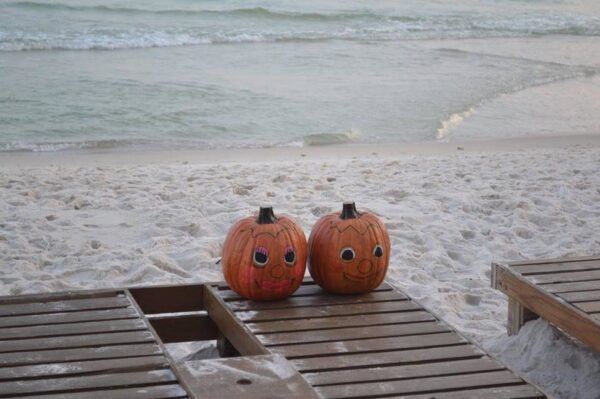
[369, 345]
[69, 355]
[339, 322]
[76, 341]
[85, 367]
[562, 267]
[86, 382]
[340, 362]
[327, 311]
[505, 392]
[373, 374]
[566, 277]
[71, 305]
[559, 288]
[589, 307]
[342, 334]
[321, 300]
[70, 317]
[303, 290]
[170, 391]
[419, 385]
[88, 327]
[580, 296]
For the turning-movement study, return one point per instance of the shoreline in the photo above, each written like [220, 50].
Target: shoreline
[282, 154]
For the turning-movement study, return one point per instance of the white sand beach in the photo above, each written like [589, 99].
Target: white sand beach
[88, 220]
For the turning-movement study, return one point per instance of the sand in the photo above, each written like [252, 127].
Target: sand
[89, 220]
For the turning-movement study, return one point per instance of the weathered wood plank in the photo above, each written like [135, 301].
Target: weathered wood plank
[420, 385]
[559, 288]
[169, 391]
[369, 345]
[184, 328]
[589, 307]
[339, 322]
[169, 299]
[518, 315]
[373, 374]
[593, 275]
[561, 314]
[71, 317]
[71, 305]
[88, 327]
[232, 328]
[562, 267]
[341, 334]
[303, 290]
[39, 386]
[327, 311]
[504, 392]
[14, 359]
[59, 296]
[580, 296]
[82, 368]
[76, 341]
[396, 358]
[321, 300]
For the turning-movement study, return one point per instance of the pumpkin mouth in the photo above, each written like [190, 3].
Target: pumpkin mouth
[360, 278]
[268, 285]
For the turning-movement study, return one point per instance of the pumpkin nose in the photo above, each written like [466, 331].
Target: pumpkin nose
[365, 266]
[277, 271]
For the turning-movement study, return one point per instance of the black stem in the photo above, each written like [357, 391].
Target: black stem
[266, 215]
[349, 211]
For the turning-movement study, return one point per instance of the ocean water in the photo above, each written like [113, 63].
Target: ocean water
[123, 74]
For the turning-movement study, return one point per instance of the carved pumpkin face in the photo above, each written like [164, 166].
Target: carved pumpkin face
[264, 258]
[349, 252]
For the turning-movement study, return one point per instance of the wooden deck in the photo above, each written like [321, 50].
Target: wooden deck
[565, 292]
[110, 344]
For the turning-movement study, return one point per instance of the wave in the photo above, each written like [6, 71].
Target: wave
[107, 144]
[331, 138]
[452, 122]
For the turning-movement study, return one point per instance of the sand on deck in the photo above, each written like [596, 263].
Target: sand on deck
[88, 220]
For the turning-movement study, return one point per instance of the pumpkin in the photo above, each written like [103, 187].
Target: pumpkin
[349, 252]
[264, 257]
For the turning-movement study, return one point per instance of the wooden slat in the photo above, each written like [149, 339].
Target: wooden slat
[553, 260]
[71, 317]
[71, 305]
[89, 327]
[86, 367]
[373, 374]
[327, 311]
[86, 382]
[369, 345]
[338, 322]
[564, 267]
[589, 307]
[169, 299]
[581, 296]
[561, 314]
[184, 328]
[76, 341]
[559, 288]
[566, 277]
[70, 355]
[321, 300]
[341, 334]
[303, 290]
[170, 391]
[341, 362]
[59, 296]
[419, 385]
[504, 392]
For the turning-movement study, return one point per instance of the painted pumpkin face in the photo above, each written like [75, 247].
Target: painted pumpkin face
[264, 258]
[349, 252]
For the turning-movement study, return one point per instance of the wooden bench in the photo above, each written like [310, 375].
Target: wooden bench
[110, 344]
[565, 292]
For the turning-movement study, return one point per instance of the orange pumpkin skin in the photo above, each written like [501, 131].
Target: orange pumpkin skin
[252, 241]
[335, 236]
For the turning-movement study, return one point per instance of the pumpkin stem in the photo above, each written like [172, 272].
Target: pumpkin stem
[349, 211]
[266, 215]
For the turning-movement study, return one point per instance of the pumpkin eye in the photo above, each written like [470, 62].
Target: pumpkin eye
[378, 251]
[290, 256]
[347, 254]
[261, 256]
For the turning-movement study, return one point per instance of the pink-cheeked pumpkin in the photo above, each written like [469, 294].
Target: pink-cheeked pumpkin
[349, 251]
[264, 257]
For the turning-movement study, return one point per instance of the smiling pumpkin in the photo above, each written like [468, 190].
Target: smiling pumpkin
[349, 252]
